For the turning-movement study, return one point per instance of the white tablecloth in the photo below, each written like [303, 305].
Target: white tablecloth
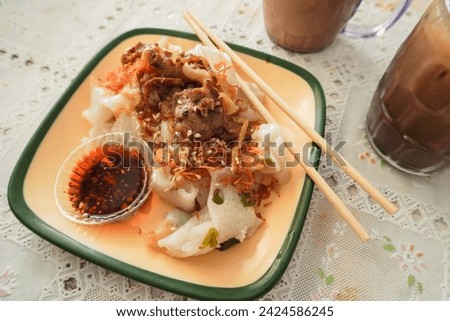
[44, 44]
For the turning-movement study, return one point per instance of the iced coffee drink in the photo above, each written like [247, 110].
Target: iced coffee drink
[307, 25]
[409, 119]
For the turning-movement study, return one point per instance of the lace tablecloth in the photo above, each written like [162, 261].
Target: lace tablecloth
[43, 45]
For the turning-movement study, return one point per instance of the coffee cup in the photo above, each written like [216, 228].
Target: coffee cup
[408, 122]
[312, 25]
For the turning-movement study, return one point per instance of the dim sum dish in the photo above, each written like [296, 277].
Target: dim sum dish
[155, 165]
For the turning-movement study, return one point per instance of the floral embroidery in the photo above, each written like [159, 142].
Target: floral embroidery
[326, 291]
[327, 278]
[339, 228]
[324, 294]
[410, 261]
[332, 254]
[332, 251]
[7, 283]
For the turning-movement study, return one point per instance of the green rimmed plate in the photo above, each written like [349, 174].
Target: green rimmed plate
[245, 271]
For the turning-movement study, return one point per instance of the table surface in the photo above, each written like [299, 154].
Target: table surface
[43, 46]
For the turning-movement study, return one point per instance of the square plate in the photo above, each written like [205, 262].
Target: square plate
[245, 271]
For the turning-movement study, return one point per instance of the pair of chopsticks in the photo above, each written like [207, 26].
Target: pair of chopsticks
[209, 39]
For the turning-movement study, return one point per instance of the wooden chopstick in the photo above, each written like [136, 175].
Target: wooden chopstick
[315, 137]
[310, 171]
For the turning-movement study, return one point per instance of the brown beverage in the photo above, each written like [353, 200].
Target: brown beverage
[306, 25]
[409, 119]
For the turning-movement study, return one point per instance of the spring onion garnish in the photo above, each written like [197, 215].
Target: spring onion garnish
[218, 197]
[246, 200]
[210, 239]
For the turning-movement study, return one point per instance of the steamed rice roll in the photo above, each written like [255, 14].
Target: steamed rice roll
[182, 197]
[225, 217]
[275, 154]
[192, 237]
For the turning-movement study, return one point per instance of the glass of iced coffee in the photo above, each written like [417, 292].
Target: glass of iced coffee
[408, 122]
[312, 25]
